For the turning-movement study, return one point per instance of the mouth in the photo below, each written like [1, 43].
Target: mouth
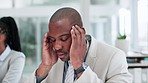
[60, 55]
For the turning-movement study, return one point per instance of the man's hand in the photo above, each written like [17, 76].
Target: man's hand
[48, 58]
[78, 46]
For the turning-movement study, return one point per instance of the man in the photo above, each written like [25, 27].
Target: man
[67, 45]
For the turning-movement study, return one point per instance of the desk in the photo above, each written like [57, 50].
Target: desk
[136, 60]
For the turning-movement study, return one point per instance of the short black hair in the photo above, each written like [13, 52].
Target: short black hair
[67, 12]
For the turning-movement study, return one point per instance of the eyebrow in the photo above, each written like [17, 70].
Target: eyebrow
[64, 35]
[59, 36]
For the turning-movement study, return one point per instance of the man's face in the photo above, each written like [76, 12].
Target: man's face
[60, 38]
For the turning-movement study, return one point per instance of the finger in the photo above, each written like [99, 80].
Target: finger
[77, 33]
[73, 35]
[45, 39]
[82, 34]
[80, 29]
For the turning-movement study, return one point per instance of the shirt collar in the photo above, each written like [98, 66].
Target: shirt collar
[5, 53]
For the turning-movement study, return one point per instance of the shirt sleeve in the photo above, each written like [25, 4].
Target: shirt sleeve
[39, 80]
[15, 69]
[117, 72]
[88, 76]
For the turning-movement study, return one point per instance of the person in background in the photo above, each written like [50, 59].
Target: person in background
[12, 59]
[69, 55]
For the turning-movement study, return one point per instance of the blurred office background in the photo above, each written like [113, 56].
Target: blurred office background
[104, 19]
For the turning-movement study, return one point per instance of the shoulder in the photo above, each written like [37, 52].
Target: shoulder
[109, 49]
[101, 48]
[15, 54]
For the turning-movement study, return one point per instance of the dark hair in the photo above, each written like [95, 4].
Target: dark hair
[70, 13]
[9, 28]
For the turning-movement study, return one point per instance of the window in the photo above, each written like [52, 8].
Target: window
[143, 25]
[33, 24]
[32, 30]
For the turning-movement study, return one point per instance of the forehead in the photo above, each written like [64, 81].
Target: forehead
[59, 28]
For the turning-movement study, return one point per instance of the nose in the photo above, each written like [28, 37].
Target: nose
[57, 45]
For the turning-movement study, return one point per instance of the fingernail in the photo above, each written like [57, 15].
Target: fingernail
[71, 30]
[73, 27]
[76, 25]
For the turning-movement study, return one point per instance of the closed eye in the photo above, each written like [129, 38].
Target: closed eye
[51, 40]
[64, 37]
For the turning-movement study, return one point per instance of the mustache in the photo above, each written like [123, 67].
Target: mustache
[60, 51]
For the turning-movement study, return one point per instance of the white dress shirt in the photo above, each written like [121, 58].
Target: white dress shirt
[11, 66]
[4, 54]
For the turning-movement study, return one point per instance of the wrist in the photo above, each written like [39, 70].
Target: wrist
[76, 65]
[78, 72]
[43, 70]
[46, 64]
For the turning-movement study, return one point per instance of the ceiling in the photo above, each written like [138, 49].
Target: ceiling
[122, 3]
[105, 2]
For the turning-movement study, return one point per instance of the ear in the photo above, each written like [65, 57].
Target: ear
[84, 30]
